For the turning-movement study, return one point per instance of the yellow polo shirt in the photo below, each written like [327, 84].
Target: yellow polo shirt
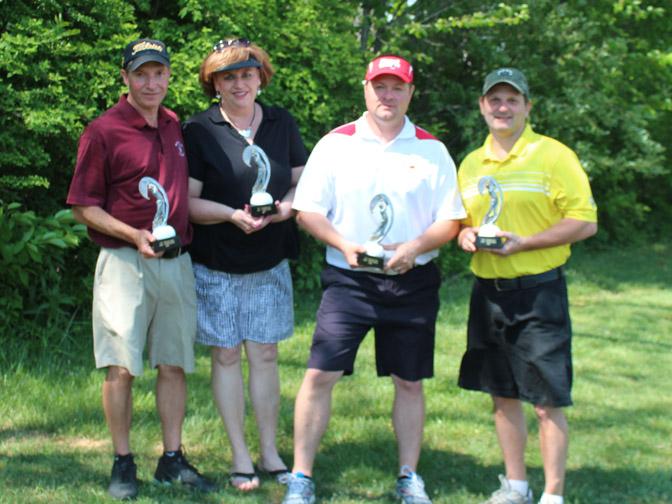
[543, 182]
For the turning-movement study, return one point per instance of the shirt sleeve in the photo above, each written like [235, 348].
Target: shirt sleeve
[315, 191]
[88, 186]
[571, 189]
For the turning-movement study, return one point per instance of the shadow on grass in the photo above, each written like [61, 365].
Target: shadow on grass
[377, 461]
[50, 471]
[626, 420]
[594, 485]
[450, 476]
[81, 476]
[447, 475]
[85, 415]
[601, 486]
[619, 268]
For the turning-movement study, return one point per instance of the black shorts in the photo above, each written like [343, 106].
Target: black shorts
[401, 309]
[519, 343]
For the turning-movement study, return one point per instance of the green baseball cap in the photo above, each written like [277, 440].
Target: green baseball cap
[511, 76]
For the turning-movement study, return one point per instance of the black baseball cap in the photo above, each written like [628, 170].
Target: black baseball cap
[144, 50]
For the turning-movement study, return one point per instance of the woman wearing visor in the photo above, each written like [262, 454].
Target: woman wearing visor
[241, 152]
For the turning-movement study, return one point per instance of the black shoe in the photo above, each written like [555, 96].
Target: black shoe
[124, 483]
[176, 468]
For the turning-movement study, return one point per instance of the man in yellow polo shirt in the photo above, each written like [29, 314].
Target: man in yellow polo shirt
[519, 332]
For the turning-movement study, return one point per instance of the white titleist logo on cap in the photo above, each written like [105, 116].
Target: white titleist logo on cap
[505, 71]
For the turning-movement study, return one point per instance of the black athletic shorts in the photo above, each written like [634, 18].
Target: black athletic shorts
[401, 309]
[519, 342]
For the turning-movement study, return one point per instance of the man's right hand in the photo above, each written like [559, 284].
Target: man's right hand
[467, 239]
[319, 226]
[97, 218]
[143, 242]
[350, 251]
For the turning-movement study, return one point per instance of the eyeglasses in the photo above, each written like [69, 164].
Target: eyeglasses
[225, 44]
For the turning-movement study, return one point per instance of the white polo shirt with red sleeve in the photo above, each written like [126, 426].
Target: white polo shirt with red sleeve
[350, 165]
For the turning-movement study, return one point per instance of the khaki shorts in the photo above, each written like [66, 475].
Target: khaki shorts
[138, 301]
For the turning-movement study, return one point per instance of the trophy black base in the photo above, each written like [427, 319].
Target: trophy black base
[369, 261]
[489, 242]
[166, 244]
[263, 210]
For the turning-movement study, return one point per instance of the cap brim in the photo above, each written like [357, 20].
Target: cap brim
[248, 63]
[505, 81]
[403, 77]
[147, 58]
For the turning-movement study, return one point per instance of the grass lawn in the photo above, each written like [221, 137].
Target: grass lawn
[54, 446]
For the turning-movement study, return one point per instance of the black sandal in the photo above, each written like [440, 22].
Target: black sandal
[249, 477]
[280, 475]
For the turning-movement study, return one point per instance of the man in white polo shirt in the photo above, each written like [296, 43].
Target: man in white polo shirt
[382, 194]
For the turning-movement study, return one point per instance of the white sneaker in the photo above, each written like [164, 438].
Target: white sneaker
[411, 488]
[507, 495]
[300, 490]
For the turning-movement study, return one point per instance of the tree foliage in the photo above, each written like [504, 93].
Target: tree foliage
[600, 73]
[59, 67]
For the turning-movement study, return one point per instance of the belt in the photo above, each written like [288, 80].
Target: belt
[173, 253]
[523, 282]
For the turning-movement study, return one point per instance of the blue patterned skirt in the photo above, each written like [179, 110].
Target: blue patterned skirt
[233, 307]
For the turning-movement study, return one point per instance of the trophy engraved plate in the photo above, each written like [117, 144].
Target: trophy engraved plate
[487, 234]
[166, 237]
[383, 215]
[261, 202]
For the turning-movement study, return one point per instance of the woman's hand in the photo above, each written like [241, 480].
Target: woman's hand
[248, 224]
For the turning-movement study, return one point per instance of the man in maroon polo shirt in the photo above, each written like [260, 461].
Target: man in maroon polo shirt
[139, 296]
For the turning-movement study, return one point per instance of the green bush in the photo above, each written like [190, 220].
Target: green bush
[601, 77]
[40, 276]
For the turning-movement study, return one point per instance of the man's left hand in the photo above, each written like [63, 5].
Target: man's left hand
[284, 211]
[512, 245]
[403, 259]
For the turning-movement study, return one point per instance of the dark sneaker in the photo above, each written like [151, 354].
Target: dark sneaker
[178, 469]
[124, 482]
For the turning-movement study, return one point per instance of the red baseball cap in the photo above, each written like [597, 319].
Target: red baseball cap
[390, 65]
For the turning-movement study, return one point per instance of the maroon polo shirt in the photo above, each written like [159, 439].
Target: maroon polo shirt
[115, 151]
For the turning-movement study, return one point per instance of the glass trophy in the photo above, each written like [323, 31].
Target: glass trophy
[166, 238]
[383, 215]
[487, 234]
[261, 202]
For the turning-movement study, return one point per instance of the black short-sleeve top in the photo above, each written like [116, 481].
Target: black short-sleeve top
[215, 156]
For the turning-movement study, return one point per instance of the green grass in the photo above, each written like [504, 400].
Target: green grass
[54, 446]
